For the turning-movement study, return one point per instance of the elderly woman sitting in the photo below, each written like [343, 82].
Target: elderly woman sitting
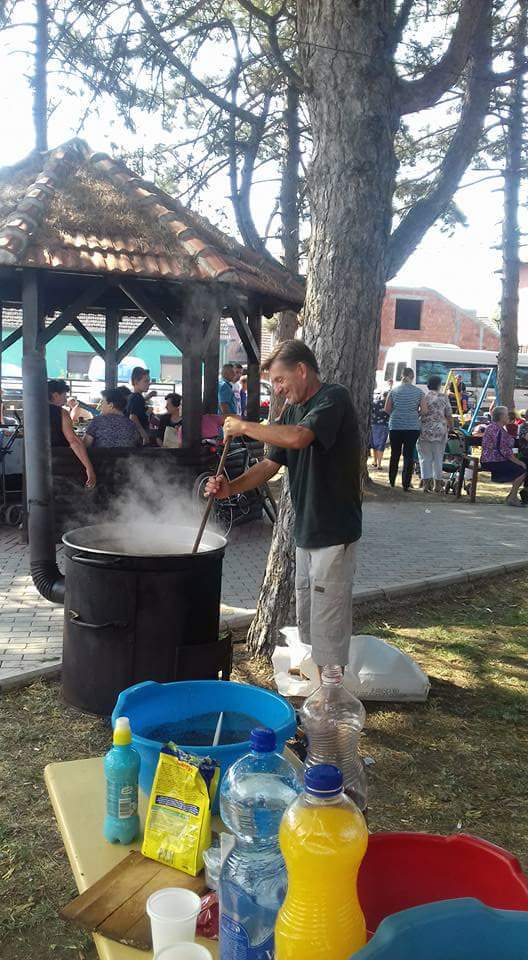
[498, 456]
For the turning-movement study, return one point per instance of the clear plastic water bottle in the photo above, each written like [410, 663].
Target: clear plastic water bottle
[121, 768]
[254, 794]
[332, 719]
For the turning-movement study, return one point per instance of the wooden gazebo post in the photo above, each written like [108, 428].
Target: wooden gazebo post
[111, 345]
[211, 348]
[191, 381]
[253, 374]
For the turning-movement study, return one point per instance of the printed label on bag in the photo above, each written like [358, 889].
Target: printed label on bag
[235, 945]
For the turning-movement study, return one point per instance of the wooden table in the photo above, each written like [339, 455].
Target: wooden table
[77, 792]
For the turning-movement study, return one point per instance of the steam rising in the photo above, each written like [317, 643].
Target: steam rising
[152, 516]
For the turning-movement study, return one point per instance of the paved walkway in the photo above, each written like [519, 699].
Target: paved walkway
[407, 545]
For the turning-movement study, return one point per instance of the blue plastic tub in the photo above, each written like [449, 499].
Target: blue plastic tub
[462, 929]
[150, 704]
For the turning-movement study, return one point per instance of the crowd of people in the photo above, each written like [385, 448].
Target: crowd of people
[417, 424]
[123, 417]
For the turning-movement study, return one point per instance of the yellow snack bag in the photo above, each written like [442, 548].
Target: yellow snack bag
[178, 824]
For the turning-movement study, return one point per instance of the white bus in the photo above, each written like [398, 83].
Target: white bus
[427, 359]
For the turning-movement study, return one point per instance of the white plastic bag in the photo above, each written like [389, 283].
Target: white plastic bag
[375, 671]
[289, 658]
[379, 671]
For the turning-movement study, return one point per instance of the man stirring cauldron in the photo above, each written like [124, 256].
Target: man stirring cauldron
[317, 439]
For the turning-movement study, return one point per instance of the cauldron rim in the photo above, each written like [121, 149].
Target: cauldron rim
[70, 539]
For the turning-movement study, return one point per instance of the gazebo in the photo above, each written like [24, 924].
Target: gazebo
[81, 232]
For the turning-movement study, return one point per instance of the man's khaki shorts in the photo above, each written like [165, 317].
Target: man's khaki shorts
[323, 589]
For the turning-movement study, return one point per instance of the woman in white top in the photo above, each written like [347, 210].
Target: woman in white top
[436, 420]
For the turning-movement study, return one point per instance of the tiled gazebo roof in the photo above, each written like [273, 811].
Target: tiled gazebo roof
[83, 212]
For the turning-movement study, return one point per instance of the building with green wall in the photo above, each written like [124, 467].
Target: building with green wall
[69, 355]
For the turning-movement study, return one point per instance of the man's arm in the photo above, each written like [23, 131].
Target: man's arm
[77, 447]
[221, 488]
[226, 409]
[276, 434]
[139, 427]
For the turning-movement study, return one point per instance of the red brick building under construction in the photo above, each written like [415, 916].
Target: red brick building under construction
[418, 313]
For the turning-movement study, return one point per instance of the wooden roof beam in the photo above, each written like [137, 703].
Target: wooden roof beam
[248, 341]
[133, 340]
[89, 337]
[135, 292]
[86, 299]
[11, 339]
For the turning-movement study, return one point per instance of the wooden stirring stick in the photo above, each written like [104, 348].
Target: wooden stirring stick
[209, 504]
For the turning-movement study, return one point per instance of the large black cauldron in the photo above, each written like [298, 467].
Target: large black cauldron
[138, 606]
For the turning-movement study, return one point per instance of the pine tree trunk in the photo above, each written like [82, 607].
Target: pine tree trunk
[276, 596]
[40, 79]
[289, 207]
[350, 100]
[275, 604]
[509, 308]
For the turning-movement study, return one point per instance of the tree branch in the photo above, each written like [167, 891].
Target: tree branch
[423, 214]
[195, 8]
[201, 88]
[400, 22]
[499, 78]
[271, 22]
[288, 71]
[419, 94]
[241, 193]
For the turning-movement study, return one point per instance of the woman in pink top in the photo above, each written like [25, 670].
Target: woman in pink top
[498, 456]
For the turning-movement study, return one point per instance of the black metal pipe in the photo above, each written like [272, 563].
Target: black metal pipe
[37, 451]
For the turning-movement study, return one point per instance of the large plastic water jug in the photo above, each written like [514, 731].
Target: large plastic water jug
[332, 719]
[253, 797]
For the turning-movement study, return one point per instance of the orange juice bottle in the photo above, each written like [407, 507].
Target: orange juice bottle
[323, 838]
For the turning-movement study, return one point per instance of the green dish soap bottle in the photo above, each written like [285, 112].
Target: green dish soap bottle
[121, 767]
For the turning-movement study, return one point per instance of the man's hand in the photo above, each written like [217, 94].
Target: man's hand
[218, 487]
[234, 427]
[152, 393]
[91, 479]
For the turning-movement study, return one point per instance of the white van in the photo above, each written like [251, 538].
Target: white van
[427, 359]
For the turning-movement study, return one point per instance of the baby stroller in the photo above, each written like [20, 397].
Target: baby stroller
[11, 509]
[455, 463]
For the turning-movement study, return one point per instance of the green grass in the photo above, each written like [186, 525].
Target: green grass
[35, 876]
[487, 491]
[456, 762]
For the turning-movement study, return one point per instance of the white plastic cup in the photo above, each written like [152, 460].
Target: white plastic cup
[184, 951]
[173, 914]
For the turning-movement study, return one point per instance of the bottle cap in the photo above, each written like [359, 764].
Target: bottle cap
[122, 732]
[323, 780]
[263, 740]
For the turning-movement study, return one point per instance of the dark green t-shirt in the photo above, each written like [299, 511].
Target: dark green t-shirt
[324, 477]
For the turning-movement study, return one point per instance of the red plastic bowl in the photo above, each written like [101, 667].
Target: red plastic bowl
[402, 870]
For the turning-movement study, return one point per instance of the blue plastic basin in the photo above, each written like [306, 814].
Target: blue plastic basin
[150, 704]
[461, 929]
